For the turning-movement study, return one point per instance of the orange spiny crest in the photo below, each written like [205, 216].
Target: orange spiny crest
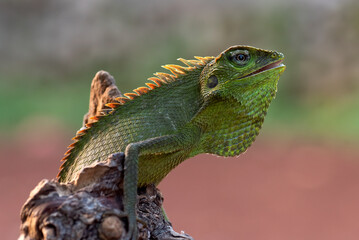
[175, 69]
[77, 137]
[165, 76]
[131, 95]
[82, 131]
[96, 118]
[158, 81]
[189, 63]
[88, 125]
[202, 59]
[197, 63]
[141, 90]
[113, 105]
[72, 145]
[151, 85]
[180, 69]
[64, 160]
[68, 151]
[122, 100]
[207, 59]
[63, 164]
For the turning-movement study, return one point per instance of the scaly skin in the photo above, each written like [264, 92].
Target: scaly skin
[216, 105]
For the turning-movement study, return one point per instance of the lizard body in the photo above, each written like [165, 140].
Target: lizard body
[215, 105]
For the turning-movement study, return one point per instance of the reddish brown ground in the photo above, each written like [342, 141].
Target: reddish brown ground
[277, 190]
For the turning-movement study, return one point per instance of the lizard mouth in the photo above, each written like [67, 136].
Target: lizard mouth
[265, 68]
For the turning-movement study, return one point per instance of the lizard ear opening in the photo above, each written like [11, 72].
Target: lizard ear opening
[212, 81]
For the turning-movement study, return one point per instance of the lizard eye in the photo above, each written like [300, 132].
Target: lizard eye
[212, 81]
[240, 57]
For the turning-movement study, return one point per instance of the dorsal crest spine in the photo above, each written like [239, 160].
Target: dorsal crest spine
[161, 79]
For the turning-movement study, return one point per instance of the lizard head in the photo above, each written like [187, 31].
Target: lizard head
[237, 87]
[239, 70]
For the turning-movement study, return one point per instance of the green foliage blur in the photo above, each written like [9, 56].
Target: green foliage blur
[50, 51]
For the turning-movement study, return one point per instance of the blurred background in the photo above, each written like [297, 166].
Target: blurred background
[299, 180]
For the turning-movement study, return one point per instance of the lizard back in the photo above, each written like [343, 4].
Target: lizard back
[160, 110]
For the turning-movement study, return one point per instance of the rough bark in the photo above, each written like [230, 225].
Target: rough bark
[91, 207]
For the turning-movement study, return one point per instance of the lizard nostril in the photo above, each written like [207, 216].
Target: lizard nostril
[277, 55]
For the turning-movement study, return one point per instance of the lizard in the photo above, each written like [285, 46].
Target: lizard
[213, 105]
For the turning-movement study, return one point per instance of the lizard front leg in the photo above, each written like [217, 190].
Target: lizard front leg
[184, 139]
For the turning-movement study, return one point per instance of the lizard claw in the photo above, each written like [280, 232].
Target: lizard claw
[132, 233]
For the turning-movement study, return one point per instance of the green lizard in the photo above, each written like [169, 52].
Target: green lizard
[214, 105]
